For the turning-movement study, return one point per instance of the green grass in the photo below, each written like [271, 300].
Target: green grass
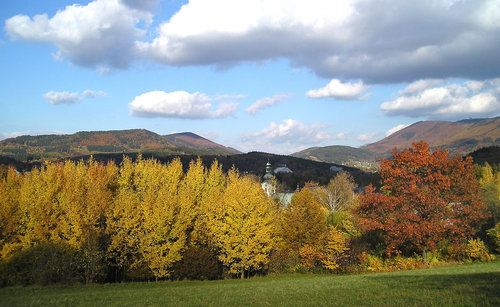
[464, 285]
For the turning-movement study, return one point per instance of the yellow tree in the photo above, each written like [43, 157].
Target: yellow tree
[487, 176]
[165, 231]
[125, 219]
[9, 213]
[338, 195]
[336, 246]
[245, 231]
[210, 205]
[87, 197]
[304, 221]
[40, 206]
[191, 194]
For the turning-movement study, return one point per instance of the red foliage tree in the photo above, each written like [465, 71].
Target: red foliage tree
[426, 198]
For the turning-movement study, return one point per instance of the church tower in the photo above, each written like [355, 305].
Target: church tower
[267, 183]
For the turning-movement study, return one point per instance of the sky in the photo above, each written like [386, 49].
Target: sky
[276, 76]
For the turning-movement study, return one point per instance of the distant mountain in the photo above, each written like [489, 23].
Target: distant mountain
[194, 141]
[338, 154]
[459, 137]
[24, 148]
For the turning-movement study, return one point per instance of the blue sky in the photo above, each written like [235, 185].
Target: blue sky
[276, 76]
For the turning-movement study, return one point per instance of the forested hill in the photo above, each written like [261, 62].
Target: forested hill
[253, 163]
[460, 137]
[338, 154]
[25, 148]
[191, 140]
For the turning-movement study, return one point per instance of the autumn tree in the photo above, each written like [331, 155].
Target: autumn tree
[243, 225]
[339, 198]
[9, 213]
[147, 226]
[86, 198]
[490, 188]
[164, 228]
[335, 247]
[427, 197]
[42, 213]
[338, 195]
[304, 220]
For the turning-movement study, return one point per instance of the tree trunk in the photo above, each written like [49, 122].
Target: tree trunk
[243, 274]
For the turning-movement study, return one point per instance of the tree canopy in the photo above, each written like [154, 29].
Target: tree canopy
[427, 197]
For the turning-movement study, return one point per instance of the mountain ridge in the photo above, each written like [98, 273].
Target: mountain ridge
[56, 146]
[461, 137]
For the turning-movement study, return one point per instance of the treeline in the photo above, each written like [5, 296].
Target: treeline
[138, 220]
[95, 222]
[146, 220]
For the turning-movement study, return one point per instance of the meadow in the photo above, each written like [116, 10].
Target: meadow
[476, 284]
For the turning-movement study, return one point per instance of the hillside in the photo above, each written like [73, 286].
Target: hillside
[344, 155]
[194, 141]
[27, 148]
[459, 137]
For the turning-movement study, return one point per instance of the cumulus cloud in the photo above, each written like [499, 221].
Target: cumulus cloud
[101, 34]
[341, 135]
[265, 103]
[342, 91]
[395, 129]
[447, 101]
[367, 137]
[287, 137]
[373, 41]
[179, 104]
[65, 97]
[226, 109]
[378, 42]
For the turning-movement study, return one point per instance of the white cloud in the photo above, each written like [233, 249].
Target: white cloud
[379, 42]
[420, 85]
[65, 97]
[449, 101]
[395, 129]
[230, 97]
[226, 109]
[179, 104]
[62, 97]
[367, 137]
[101, 34]
[265, 102]
[287, 137]
[92, 94]
[342, 91]
[341, 135]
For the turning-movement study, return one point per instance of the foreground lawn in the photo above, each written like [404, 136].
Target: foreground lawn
[464, 285]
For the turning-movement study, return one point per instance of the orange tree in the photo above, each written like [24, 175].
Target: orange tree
[426, 198]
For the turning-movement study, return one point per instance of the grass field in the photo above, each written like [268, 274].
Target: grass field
[464, 285]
